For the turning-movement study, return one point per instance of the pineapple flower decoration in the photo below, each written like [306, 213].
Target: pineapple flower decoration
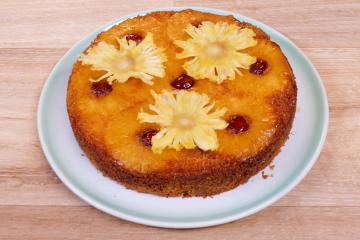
[186, 119]
[143, 61]
[214, 49]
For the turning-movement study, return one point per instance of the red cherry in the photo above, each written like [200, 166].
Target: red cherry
[146, 136]
[134, 37]
[259, 67]
[197, 24]
[101, 88]
[238, 124]
[183, 82]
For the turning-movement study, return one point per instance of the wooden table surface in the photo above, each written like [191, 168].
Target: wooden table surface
[34, 204]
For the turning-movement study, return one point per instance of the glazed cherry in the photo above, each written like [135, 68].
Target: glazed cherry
[101, 88]
[146, 136]
[183, 82]
[134, 37]
[238, 124]
[259, 67]
[197, 24]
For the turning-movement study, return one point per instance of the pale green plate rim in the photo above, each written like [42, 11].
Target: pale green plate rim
[309, 157]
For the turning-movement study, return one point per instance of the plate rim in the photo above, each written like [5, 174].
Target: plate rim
[205, 223]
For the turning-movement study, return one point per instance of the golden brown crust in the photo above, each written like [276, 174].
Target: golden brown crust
[194, 180]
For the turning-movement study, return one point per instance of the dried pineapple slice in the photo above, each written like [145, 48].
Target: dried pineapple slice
[214, 49]
[144, 60]
[185, 120]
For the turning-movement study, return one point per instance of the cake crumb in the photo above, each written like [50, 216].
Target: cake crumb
[266, 176]
[82, 154]
[272, 167]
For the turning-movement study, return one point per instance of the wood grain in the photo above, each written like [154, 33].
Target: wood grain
[34, 204]
[271, 224]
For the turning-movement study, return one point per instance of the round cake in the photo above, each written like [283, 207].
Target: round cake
[181, 103]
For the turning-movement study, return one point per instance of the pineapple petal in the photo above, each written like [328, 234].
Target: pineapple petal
[146, 117]
[205, 138]
[243, 60]
[162, 139]
[186, 139]
[245, 39]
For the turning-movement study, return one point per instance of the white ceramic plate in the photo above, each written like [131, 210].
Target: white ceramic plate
[295, 160]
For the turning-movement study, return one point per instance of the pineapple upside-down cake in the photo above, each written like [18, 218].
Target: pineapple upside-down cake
[182, 103]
